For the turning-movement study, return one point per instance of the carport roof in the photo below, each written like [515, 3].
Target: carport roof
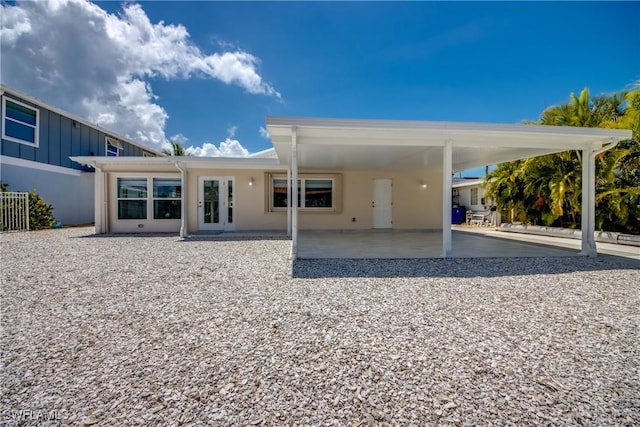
[380, 144]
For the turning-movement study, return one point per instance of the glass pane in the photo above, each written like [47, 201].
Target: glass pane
[112, 150]
[132, 209]
[132, 188]
[20, 131]
[230, 203]
[280, 193]
[318, 193]
[211, 202]
[167, 188]
[23, 114]
[166, 209]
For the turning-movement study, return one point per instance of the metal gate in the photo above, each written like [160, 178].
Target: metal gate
[14, 211]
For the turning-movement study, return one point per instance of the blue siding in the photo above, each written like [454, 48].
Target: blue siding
[42, 153]
[54, 139]
[10, 148]
[65, 138]
[95, 146]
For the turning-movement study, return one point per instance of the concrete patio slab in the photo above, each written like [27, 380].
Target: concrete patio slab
[417, 244]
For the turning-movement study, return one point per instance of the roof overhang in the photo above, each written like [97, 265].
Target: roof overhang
[384, 144]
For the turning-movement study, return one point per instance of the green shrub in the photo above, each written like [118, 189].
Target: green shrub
[40, 212]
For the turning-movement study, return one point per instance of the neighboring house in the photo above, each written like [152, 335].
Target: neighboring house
[469, 193]
[349, 175]
[37, 143]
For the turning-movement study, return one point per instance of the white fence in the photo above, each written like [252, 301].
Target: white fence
[14, 211]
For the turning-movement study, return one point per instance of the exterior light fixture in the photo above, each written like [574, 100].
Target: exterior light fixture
[423, 184]
[250, 182]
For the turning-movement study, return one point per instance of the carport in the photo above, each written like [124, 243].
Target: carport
[447, 147]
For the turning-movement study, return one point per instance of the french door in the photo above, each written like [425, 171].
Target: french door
[216, 207]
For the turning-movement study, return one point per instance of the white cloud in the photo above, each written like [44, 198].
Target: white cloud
[228, 148]
[264, 132]
[76, 56]
[231, 132]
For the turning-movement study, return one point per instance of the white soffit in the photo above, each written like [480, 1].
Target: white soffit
[345, 143]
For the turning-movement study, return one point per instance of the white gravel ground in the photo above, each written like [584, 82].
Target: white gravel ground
[149, 330]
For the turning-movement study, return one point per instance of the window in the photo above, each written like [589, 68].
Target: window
[314, 193]
[132, 198]
[19, 122]
[474, 196]
[167, 194]
[113, 147]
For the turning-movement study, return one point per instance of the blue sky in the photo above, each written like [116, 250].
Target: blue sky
[208, 73]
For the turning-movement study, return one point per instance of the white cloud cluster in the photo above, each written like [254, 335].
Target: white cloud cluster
[228, 148]
[75, 55]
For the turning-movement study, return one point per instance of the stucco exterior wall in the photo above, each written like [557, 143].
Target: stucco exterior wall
[414, 207]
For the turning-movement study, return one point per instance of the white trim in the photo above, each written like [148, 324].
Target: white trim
[36, 128]
[15, 93]
[14, 161]
[109, 141]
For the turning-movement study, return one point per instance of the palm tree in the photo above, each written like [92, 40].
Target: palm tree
[176, 150]
[552, 189]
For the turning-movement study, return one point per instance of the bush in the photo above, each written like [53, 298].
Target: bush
[40, 212]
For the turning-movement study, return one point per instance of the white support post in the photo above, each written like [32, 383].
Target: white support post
[588, 204]
[99, 200]
[183, 200]
[294, 193]
[447, 171]
[289, 187]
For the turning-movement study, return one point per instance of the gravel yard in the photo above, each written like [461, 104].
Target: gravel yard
[150, 330]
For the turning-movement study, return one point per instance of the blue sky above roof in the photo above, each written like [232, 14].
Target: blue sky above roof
[456, 61]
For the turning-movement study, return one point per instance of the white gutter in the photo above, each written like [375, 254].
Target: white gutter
[183, 201]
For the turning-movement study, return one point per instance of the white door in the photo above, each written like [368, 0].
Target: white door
[216, 203]
[382, 203]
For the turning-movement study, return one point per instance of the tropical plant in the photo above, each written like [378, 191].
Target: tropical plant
[551, 185]
[176, 150]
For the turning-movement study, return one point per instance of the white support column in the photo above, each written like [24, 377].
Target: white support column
[99, 200]
[289, 189]
[447, 171]
[294, 193]
[183, 200]
[588, 204]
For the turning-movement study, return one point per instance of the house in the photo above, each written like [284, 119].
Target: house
[468, 194]
[37, 143]
[348, 175]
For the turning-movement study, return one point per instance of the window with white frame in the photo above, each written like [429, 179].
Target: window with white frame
[112, 147]
[20, 122]
[314, 193]
[132, 198]
[167, 198]
[473, 196]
